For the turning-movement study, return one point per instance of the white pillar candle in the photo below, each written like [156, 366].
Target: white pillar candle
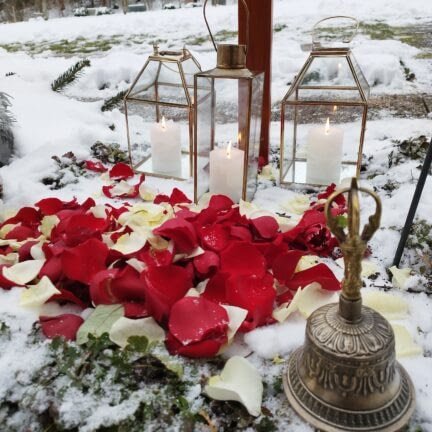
[165, 141]
[226, 172]
[324, 155]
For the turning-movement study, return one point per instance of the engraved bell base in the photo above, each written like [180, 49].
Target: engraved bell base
[346, 378]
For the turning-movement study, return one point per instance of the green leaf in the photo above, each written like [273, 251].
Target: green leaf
[342, 221]
[137, 344]
[100, 321]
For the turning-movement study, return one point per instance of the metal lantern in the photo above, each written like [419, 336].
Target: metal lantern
[323, 115]
[346, 377]
[159, 115]
[227, 124]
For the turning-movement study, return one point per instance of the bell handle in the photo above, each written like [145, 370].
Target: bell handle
[354, 213]
[210, 32]
[355, 26]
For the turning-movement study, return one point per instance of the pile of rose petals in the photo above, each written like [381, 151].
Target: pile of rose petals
[187, 267]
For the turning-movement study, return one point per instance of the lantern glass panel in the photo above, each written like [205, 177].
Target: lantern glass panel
[163, 88]
[229, 109]
[323, 120]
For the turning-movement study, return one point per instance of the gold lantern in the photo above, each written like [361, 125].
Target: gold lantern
[159, 115]
[345, 377]
[323, 115]
[227, 124]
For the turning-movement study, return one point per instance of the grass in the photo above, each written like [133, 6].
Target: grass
[80, 45]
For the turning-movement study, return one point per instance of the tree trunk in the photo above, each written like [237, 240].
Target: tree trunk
[45, 9]
[125, 4]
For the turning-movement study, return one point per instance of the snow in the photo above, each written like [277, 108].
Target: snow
[49, 123]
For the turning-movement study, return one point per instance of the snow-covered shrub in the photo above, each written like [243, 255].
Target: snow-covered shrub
[6, 135]
[103, 10]
[81, 11]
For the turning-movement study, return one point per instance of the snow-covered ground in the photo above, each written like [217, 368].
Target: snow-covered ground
[50, 123]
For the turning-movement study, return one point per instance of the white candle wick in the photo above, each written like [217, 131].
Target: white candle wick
[327, 126]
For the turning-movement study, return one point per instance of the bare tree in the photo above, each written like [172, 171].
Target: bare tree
[125, 5]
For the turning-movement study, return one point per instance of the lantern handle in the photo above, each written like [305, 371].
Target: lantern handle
[347, 37]
[210, 32]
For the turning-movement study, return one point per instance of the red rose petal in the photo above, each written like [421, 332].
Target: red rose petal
[100, 287]
[27, 216]
[319, 273]
[241, 233]
[255, 294]
[21, 233]
[207, 262]
[127, 285]
[214, 237]
[52, 268]
[121, 171]
[284, 265]
[165, 286]
[160, 198]
[216, 288]
[65, 325]
[203, 349]
[241, 258]
[266, 227]
[95, 166]
[135, 310]
[67, 296]
[82, 262]
[285, 297]
[220, 203]
[181, 232]
[25, 249]
[193, 319]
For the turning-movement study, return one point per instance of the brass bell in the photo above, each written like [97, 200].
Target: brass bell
[345, 377]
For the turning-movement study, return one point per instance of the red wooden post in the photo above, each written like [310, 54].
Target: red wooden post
[259, 56]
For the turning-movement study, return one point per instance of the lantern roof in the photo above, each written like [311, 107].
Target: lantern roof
[331, 73]
[166, 78]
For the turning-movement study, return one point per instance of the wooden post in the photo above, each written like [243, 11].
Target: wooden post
[259, 56]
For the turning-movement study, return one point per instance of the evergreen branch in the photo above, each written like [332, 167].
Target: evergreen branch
[70, 75]
[113, 102]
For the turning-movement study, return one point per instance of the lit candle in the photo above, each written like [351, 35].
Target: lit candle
[324, 155]
[165, 141]
[226, 172]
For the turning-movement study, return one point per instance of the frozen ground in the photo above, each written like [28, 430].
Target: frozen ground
[48, 123]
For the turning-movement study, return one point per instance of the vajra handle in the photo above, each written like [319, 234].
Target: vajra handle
[352, 243]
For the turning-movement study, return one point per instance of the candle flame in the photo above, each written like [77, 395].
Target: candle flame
[335, 108]
[327, 126]
[239, 137]
[340, 65]
[228, 151]
[163, 122]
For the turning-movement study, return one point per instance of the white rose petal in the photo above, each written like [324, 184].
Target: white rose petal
[306, 301]
[390, 306]
[146, 193]
[239, 381]
[236, 317]
[307, 262]
[193, 292]
[99, 211]
[122, 188]
[196, 252]
[47, 224]
[124, 328]
[130, 243]
[296, 205]
[138, 265]
[4, 230]
[9, 259]
[23, 272]
[369, 268]
[400, 277]
[405, 345]
[286, 224]
[37, 295]
[36, 251]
